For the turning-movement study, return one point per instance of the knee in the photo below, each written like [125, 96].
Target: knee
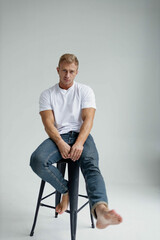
[90, 152]
[32, 160]
[35, 162]
[89, 165]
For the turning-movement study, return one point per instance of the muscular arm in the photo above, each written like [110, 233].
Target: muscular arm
[48, 122]
[87, 117]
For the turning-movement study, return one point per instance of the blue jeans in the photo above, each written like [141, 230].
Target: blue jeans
[47, 154]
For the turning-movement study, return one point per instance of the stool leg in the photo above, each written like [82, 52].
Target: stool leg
[37, 207]
[57, 201]
[92, 221]
[61, 167]
[73, 176]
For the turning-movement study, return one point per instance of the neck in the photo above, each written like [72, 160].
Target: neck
[66, 87]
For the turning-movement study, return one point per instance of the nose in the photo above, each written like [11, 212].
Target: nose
[67, 74]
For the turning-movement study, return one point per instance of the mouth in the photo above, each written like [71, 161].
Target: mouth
[66, 79]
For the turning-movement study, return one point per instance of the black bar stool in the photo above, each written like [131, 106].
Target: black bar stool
[73, 177]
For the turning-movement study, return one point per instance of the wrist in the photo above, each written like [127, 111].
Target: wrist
[59, 141]
[79, 142]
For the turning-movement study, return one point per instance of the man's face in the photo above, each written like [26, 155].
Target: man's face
[67, 73]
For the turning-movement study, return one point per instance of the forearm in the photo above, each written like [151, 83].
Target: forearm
[77, 147]
[87, 117]
[84, 131]
[48, 122]
[53, 133]
[63, 147]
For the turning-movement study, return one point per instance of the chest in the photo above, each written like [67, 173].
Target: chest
[66, 102]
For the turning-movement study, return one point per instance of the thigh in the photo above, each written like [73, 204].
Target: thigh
[90, 153]
[47, 152]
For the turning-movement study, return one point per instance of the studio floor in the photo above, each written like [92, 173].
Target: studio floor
[138, 205]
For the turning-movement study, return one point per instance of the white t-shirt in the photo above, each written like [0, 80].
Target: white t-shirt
[67, 105]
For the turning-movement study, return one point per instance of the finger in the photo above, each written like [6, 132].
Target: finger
[72, 153]
[72, 157]
[76, 155]
[64, 155]
[79, 154]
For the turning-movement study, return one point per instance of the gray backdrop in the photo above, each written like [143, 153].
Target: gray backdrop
[118, 46]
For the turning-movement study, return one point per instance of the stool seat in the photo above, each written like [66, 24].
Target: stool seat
[73, 187]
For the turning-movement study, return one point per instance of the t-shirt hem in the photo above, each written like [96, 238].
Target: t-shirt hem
[88, 107]
[44, 109]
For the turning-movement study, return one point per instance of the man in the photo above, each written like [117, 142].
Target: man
[67, 110]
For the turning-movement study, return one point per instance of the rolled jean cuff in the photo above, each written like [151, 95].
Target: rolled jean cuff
[66, 189]
[66, 193]
[94, 208]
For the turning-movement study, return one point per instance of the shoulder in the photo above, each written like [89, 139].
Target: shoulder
[48, 92]
[87, 96]
[83, 88]
[45, 102]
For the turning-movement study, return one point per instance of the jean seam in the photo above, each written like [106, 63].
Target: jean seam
[50, 155]
[57, 180]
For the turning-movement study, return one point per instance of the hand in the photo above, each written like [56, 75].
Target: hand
[76, 151]
[64, 149]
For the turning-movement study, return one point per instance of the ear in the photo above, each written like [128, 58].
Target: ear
[57, 70]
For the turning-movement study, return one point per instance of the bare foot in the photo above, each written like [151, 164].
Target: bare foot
[63, 205]
[106, 217]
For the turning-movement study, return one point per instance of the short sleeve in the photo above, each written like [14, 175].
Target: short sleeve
[44, 101]
[88, 98]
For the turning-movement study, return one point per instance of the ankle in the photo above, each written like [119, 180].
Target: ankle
[65, 194]
[101, 208]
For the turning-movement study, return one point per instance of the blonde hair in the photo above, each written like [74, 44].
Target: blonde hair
[69, 58]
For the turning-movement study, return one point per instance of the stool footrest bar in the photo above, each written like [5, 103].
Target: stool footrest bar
[48, 195]
[45, 205]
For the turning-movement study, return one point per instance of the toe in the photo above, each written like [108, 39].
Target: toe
[58, 209]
